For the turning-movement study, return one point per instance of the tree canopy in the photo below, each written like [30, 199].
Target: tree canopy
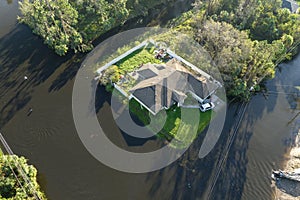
[73, 25]
[10, 187]
[246, 39]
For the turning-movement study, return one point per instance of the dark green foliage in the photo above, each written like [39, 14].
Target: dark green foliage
[55, 22]
[65, 25]
[74, 24]
[10, 187]
[97, 17]
[246, 39]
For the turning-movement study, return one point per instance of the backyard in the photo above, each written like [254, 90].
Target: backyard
[184, 135]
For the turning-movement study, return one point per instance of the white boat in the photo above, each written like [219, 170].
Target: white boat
[294, 176]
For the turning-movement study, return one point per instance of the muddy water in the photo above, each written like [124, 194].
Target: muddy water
[266, 133]
[67, 171]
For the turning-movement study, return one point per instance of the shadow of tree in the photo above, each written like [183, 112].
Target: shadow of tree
[24, 54]
[233, 175]
[70, 71]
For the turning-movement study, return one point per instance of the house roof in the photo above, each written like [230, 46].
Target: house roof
[160, 86]
[291, 5]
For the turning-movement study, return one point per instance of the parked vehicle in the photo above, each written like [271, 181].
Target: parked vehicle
[206, 106]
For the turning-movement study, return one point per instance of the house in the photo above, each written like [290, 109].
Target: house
[159, 86]
[174, 81]
[291, 5]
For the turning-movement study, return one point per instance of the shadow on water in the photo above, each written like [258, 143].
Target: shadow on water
[103, 99]
[233, 175]
[19, 49]
[223, 187]
[189, 177]
[23, 54]
[194, 176]
[71, 66]
[291, 84]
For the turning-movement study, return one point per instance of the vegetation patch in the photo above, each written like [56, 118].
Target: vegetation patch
[245, 46]
[10, 187]
[65, 25]
[136, 59]
[127, 65]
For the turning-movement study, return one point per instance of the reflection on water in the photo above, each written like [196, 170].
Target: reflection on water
[8, 12]
[265, 135]
[67, 171]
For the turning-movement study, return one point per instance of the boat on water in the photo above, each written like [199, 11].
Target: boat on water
[294, 176]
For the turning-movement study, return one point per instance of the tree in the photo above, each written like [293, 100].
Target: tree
[10, 187]
[65, 25]
[97, 17]
[247, 39]
[55, 22]
[264, 27]
[243, 63]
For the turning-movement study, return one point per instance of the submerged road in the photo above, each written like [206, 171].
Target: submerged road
[232, 135]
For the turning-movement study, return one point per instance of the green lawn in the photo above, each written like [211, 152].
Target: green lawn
[174, 128]
[134, 60]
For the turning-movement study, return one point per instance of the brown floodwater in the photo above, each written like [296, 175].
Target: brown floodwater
[49, 140]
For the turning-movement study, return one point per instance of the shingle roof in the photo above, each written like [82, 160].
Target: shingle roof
[291, 5]
[164, 85]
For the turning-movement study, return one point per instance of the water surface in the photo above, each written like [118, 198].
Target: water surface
[67, 171]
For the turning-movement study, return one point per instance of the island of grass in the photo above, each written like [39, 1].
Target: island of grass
[155, 80]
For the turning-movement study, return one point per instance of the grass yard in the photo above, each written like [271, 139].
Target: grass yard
[134, 60]
[182, 131]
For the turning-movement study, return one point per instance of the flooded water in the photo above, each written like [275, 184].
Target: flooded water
[266, 133]
[67, 171]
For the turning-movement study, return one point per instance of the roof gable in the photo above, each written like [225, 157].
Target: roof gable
[161, 86]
